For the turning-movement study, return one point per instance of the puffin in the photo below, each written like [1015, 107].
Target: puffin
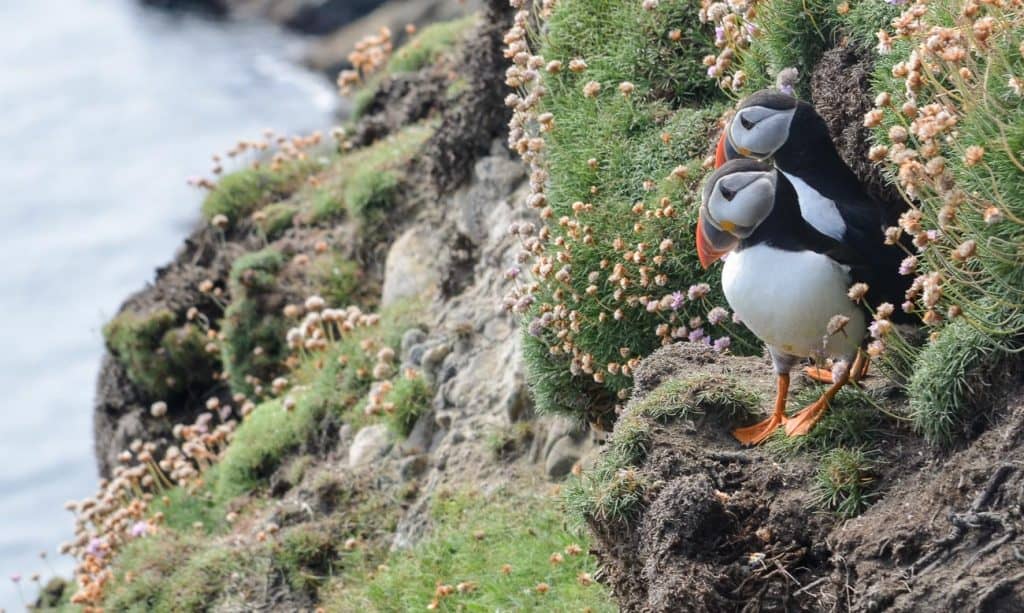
[785, 279]
[772, 125]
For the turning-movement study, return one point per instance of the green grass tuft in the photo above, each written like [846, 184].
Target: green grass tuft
[242, 192]
[364, 183]
[183, 510]
[369, 192]
[278, 217]
[429, 45]
[952, 380]
[506, 443]
[261, 443]
[341, 282]
[411, 398]
[845, 482]
[474, 536]
[174, 571]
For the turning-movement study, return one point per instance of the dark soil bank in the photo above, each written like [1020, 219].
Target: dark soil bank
[727, 529]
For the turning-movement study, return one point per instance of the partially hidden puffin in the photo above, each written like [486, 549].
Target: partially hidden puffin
[771, 125]
[785, 280]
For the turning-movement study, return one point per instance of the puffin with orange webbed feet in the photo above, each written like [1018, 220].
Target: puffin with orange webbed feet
[786, 280]
[772, 125]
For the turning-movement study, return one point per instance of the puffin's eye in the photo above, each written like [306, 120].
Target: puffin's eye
[727, 193]
[746, 123]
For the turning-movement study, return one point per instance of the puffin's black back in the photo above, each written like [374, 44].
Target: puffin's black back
[810, 154]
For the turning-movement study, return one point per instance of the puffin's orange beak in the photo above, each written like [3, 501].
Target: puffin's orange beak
[720, 149]
[707, 251]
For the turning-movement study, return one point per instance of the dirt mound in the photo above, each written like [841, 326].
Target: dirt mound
[723, 528]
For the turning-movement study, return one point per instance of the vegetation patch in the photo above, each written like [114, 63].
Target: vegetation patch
[429, 45]
[160, 357]
[364, 183]
[845, 482]
[242, 192]
[613, 490]
[253, 325]
[408, 399]
[261, 443]
[616, 140]
[506, 551]
[955, 376]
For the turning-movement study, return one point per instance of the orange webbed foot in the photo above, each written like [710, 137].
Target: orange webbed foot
[759, 432]
[802, 422]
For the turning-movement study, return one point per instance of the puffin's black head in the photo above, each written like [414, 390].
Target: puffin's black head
[737, 197]
[761, 124]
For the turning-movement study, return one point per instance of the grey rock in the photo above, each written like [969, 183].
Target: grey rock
[371, 443]
[432, 360]
[413, 466]
[421, 437]
[479, 204]
[561, 457]
[559, 429]
[444, 419]
[412, 337]
[415, 354]
[410, 271]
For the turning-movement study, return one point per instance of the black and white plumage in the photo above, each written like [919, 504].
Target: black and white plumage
[784, 279]
[772, 125]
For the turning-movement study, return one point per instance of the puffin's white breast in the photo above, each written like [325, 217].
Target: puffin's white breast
[787, 299]
[817, 210]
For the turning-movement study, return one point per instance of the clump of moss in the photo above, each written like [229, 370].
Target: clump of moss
[429, 44]
[253, 327]
[276, 218]
[307, 554]
[953, 377]
[505, 551]
[160, 357]
[845, 482]
[695, 396]
[262, 442]
[409, 398]
[364, 183]
[508, 442]
[242, 192]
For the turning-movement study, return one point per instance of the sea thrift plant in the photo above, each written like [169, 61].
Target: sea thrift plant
[122, 511]
[615, 147]
[949, 124]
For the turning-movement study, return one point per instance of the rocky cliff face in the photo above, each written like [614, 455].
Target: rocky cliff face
[446, 244]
